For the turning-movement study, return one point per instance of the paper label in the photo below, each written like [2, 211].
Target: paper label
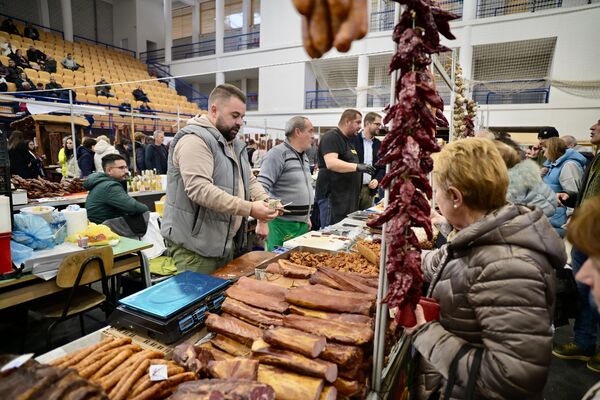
[17, 362]
[158, 372]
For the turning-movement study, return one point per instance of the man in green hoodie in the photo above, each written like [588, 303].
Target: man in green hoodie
[107, 197]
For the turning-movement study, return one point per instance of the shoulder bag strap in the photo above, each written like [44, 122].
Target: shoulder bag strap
[473, 372]
[452, 373]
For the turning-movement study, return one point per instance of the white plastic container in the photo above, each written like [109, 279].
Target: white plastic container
[42, 211]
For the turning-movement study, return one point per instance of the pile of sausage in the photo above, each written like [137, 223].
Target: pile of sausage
[121, 369]
[40, 187]
[407, 149]
[327, 23]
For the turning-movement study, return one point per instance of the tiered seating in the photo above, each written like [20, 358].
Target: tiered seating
[99, 62]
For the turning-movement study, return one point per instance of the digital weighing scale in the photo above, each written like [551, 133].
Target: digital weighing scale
[171, 309]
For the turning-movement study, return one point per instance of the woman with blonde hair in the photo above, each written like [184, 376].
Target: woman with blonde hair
[565, 170]
[103, 147]
[494, 281]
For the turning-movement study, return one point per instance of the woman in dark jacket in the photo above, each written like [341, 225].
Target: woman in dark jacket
[85, 156]
[494, 281]
[140, 151]
[21, 163]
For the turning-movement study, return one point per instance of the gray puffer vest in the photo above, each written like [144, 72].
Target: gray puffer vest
[199, 229]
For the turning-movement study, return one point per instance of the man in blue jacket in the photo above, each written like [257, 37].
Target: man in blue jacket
[107, 197]
[367, 146]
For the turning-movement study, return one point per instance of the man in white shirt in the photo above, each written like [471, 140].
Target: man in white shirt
[367, 147]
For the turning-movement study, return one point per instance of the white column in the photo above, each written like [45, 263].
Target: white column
[246, 15]
[196, 22]
[244, 85]
[67, 19]
[168, 31]
[219, 26]
[466, 48]
[44, 13]
[219, 78]
[362, 81]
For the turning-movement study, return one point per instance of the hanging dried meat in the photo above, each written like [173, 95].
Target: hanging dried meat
[407, 149]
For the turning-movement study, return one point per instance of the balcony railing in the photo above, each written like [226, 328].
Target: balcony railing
[510, 94]
[382, 21]
[494, 8]
[329, 99]
[244, 41]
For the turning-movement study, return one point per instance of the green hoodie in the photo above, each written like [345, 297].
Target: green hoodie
[107, 198]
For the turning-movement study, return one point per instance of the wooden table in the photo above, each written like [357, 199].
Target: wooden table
[243, 265]
[29, 287]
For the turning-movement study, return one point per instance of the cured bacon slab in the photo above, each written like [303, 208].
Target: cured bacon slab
[341, 354]
[328, 393]
[293, 270]
[237, 368]
[223, 389]
[342, 317]
[257, 299]
[344, 332]
[346, 387]
[319, 299]
[289, 385]
[301, 342]
[252, 315]
[262, 287]
[233, 328]
[289, 360]
[347, 282]
[230, 346]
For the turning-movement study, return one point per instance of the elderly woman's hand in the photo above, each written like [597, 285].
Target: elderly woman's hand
[437, 218]
[420, 320]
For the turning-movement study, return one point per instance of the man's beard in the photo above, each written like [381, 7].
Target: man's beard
[228, 133]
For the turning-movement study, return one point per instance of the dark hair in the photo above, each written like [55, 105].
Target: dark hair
[111, 159]
[68, 152]
[88, 142]
[371, 117]
[225, 92]
[349, 115]
[508, 141]
[15, 138]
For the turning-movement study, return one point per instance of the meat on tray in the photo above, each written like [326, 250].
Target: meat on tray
[341, 317]
[230, 346]
[341, 354]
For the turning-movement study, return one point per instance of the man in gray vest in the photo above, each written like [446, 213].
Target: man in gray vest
[211, 190]
[285, 175]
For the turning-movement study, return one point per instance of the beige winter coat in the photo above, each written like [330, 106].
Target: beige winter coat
[495, 285]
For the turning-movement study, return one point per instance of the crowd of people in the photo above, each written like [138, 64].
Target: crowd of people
[504, 213]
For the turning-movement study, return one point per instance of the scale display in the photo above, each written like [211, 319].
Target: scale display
[174, 294]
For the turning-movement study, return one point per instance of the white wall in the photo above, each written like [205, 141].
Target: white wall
[150, 23]
[124, 23]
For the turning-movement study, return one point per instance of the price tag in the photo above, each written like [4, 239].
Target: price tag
[17, 362]
[158, 372]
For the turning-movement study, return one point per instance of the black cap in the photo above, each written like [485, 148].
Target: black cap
[547, 132]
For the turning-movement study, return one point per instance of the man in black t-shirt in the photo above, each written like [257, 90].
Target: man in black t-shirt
[340, 173]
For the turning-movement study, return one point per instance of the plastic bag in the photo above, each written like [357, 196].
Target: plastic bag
[32, 231]
[19, 252]
[58, 226]
[98, 235]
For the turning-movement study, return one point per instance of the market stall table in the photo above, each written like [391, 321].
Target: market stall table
[28, 287]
